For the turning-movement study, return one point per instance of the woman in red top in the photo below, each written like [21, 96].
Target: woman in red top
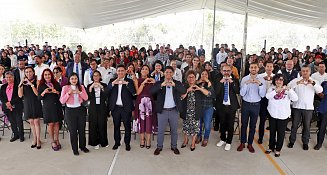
[144, 116]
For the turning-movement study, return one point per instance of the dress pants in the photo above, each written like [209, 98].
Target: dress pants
[16, 121]
[167, 116]
[277, 126]
[76, 121]
[216, 116]
[227, 120]
[305, 116]
[119, 115]
[98, 128]
[250, 112]
[263, 117]
[322, 128]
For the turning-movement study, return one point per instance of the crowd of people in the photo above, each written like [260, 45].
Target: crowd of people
[148, 89]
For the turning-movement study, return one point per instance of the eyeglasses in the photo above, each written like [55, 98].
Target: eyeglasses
[280, 79]
[226, 70]
[55, 72]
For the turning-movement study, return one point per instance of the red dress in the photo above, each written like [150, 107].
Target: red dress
[145, 119]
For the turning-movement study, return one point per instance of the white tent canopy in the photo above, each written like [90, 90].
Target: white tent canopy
[93, 13]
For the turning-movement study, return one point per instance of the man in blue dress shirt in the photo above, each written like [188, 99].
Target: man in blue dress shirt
[253, 88]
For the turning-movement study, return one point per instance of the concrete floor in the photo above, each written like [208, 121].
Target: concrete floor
[18, 158]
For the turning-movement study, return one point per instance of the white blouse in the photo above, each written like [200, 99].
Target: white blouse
[280, 108]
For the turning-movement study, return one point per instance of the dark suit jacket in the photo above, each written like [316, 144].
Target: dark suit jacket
[198, 105]
[70, 69]
[160, 93]
[128, 94]
[17, 76]
[234, 88]
[103, 101]
[15, 100]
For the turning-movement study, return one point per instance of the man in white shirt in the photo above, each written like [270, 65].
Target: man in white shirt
[321, 75]
[305, 87]
[53, 62]
[221, 56]
[89, 72]
[107, 71]
[39, 68]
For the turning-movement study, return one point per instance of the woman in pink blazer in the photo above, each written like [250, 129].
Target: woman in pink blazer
[73, 95]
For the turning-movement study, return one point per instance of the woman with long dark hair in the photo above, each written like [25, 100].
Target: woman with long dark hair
[144, 115]
[98, 112]
[32, 105]
[49, 91]
[73, 95]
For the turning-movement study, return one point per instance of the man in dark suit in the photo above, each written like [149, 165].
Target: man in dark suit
[121, 94]
[12, 106]
[226, 88]
[77, 67]
[168, 106]
[19, 72]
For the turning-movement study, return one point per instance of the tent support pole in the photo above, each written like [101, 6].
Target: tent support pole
[245, 36]
[213, 28]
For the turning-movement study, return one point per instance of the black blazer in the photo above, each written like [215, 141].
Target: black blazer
[15, 100]
[234, 88]
[103, 101]
[128, 94]
[17, 76]
[160, 94]
[198, 105]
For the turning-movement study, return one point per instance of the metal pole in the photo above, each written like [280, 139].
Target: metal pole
[245, 35]
[213, 28]
[202, 25]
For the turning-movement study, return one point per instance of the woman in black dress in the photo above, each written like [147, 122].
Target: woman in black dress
[32, 105]
[49, 91]
[98, 112]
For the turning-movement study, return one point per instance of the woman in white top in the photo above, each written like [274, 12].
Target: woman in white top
[279, 108]
[13, 59]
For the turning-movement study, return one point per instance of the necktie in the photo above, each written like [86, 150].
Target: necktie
[91, 72]
[225, 92]
[77, 71]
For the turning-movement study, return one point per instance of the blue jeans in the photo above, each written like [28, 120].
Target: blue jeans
[250, 112]
[207, 117]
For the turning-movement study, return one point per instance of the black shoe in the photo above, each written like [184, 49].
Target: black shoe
[76, 153]
[85, 150]
[128, 147]
[22, 139]
[260, 141]
[38, 147]
[268, 128]
[115, 147]
[288, 129]
[13, 139]
[317, 147]
[33, 146]
[277, 154]
[305, 147]
[290, 145]
[192, 149]
[176, 151]
[157, 151]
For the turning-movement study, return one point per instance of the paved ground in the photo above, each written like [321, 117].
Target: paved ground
[18, 158]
